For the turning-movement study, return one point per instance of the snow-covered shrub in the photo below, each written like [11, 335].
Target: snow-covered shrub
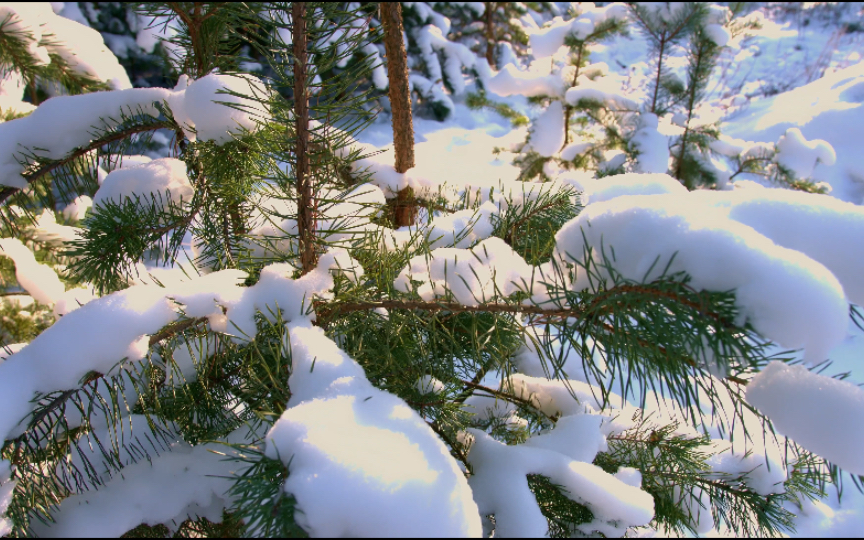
[239, 338]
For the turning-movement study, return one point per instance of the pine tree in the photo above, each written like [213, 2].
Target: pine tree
[315, 371]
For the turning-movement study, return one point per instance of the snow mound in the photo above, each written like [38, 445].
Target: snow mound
[829, 110]
[39, 280]
[798, 401]
[472, 276]
[362, 463]
[820, 226]
[651, 145]
[786, 296]
[609, 187]
[547, 136]
[164, 180]
[801, 156]
[210, 108]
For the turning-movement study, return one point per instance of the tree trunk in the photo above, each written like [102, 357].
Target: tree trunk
[305, 219]
[490, 33]
[400, 102]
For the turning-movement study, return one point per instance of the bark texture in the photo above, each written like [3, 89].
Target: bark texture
[490, 32]
[405, 206]
[305, 218]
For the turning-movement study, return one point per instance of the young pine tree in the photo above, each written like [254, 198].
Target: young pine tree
[240, 340]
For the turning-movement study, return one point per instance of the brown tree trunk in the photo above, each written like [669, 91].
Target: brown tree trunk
[490, 33]
[405, 207]
[305, 219]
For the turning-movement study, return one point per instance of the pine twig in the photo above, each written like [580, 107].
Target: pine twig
[38, 173]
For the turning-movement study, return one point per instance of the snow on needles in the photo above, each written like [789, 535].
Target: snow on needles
[215, 107]
[510, 80]
[338, 430]
[546, 42]
[183, 481]
[55, 127]
[156, 179]
[781, 252]
[787, 296]
[501, 488]
[564, 455]
[471, 276]
[60, 356]
[816, 397]
[362, 463]
[47, 33]
[39, 280]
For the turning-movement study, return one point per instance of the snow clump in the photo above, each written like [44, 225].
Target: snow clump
[816, 397]
[163, 180]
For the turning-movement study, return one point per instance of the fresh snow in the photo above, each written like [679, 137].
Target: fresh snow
[210, 108]
[163, 181]
[547, 138]
[82, 47]
[500, 487]
[786, 296]
[39, 280]
[816, 397]
[362, 463]
[829, 113]
[54, 127]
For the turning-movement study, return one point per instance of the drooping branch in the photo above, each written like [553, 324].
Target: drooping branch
[39, 172]
[452, 307]
[591, 310]
[167, 332]
[305, 223]
[400, 103]
[556, 312]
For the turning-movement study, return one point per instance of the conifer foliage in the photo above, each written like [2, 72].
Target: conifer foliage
[276, 330]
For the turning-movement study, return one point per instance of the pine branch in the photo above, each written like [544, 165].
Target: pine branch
[503, 395]
[174, 329]
[34, 175]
